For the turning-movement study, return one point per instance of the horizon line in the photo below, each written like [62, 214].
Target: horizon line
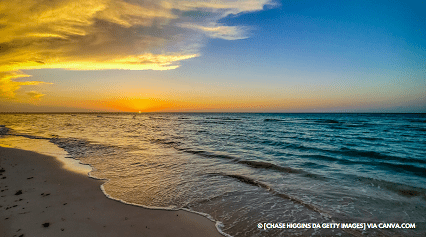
[186, 112]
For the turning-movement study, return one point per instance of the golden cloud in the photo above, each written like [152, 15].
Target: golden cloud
[35, 95]
[8, 86]
[107, 34]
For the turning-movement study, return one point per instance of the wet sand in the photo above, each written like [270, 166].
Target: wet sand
[40, 198]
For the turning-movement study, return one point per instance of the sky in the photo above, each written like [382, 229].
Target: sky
[212, 56]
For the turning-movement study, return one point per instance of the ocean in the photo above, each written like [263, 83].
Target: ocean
[245, 170]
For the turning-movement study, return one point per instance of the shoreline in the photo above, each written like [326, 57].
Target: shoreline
[40, 198]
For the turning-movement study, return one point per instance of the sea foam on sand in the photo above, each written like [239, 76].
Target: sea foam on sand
[41, 198]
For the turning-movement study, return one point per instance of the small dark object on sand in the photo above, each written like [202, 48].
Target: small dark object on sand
[18, 192]
[46, 224]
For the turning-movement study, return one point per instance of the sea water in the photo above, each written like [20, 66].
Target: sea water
[246, 169]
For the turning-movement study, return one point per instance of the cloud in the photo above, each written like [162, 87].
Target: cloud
[133, 62]
[109, 34]
[35, 95]
[219, 31]
[8, 85]
[225, 7]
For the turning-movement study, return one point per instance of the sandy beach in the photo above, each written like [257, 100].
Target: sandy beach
[40, 198]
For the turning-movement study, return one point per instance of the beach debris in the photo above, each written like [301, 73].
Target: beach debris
[19, 192]
[7, 208]
[45, 224]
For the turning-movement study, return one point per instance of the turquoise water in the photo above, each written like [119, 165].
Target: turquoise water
[244, 169]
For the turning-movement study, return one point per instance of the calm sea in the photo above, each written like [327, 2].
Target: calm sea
[244, 169]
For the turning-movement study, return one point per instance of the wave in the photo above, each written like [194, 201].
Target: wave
[3, 130]
[420, 129]
[207, 154]
[166, 142]
[248, 180]
[254, 182]
[342, 151]
[401, 189]
[314, 165]
[254, 164]
[327, 121]
[75, 147]
[224, 118]
[323, 157]
[417, 121]
[274, 120]
[281, 144]
[219, 225]
[220, 120]
[267, 165]
[206, 200]
[375, 155]
[371, 138]
[419, 171]
[413, 127]
[212, 122]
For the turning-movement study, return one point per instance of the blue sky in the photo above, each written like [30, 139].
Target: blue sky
[231, 56]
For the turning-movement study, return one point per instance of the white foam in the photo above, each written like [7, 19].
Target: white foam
[43, 146]
[218, 224]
